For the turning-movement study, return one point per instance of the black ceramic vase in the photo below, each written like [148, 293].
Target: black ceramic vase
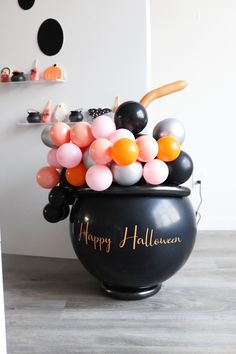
[133, 239]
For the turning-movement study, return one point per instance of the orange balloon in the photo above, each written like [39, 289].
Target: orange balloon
[169, 148]
[48, 177]
[124, 152]
[76, 175]
[60, 133]
[81, 134]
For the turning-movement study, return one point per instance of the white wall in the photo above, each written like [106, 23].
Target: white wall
[2, 311]
[194, 40]
[105, 54]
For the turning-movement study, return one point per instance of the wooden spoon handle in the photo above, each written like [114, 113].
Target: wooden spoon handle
[162, 91]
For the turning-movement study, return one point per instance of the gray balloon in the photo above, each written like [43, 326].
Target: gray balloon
[46, 139]
[169, 126]
[127, 175]
[87, 160]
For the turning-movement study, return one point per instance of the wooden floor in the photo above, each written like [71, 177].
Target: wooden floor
[53, 306]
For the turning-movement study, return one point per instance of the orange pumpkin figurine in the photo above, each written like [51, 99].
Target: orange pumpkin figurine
[54, 72]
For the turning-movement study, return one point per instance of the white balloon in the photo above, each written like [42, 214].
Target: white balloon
[87, 160]
[127, 175]
[169, 126]
[46, 138]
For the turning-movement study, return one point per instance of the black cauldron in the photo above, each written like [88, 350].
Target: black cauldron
[18, 76]
[33, 116]
[76, 116]
[132, 239]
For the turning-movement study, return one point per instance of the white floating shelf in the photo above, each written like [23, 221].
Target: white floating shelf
[42, 124]
[31, 82]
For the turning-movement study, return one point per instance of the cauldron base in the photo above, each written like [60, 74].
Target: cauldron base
[130, 293]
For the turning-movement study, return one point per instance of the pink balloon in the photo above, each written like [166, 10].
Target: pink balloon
[52, 158]
[81, 134]
[148, 148]
[155, 172]
[100, 151]
[60, 133]
[69, 155]
[48, 177]
[99, 177]
[120, 134]
[102, 127]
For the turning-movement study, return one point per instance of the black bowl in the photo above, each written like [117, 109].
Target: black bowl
[132, 239]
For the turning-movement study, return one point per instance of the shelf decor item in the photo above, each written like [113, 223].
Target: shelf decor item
[34, 72]
[132, 225]
[96, 112]
[61, 113]
[47, 113]
[5, 74]
[18, 76]
[76, 115]
[33, 116]
[54, 72]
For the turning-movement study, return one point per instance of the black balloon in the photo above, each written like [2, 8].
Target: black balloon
[180, 170]
[63, 176]
[53, 214]
[58, 196]
[66, 212]
[72, 197]
[132, 116]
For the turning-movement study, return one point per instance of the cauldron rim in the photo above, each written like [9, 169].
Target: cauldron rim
[145, 190]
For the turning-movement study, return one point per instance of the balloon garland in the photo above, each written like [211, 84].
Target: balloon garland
[112, 151]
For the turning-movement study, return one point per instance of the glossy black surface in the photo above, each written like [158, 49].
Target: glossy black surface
[53, 214]
[133, 240]
[18, 76]
[145, 190]
[132, 116]
[130, 294]
[66, 212]
[58, 196]
[76, 116]
[50, 37]
[180, 170]
[34, 117]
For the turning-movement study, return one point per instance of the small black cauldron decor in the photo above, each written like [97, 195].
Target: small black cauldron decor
[33, 116]
[18, 76]
[76, 115]
[132, 239]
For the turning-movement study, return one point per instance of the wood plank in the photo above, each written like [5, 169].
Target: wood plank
[55, 306]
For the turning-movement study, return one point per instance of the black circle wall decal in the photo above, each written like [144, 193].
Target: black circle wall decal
[26, 4]
[50, 37]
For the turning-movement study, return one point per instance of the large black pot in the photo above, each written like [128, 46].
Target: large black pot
[132, 239]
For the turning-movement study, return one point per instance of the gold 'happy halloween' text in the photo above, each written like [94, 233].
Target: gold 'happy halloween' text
[98, 242]
[132, 239]
[148, 240]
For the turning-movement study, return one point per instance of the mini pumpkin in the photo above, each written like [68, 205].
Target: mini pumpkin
[53, 72]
